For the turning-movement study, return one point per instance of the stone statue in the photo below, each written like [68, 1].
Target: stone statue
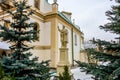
[63, 36]
[55, 1]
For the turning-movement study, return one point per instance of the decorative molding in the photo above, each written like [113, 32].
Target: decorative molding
[37, 47]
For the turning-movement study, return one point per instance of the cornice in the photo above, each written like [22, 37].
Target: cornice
[46, 16]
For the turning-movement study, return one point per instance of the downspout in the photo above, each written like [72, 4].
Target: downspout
[72, 47]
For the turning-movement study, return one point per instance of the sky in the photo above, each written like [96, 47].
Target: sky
[89, 15]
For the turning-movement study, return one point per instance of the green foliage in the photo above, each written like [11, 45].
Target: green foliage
[109, 46]
[106, 70]
[21, 31]
[113, 16]
[2, 76]
[108, 53]
[1, 72]
[65, 75]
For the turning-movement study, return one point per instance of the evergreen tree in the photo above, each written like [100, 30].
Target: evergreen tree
[1, 72]
[108, 53]
[65, 75]
[2, 76]
[21, 31]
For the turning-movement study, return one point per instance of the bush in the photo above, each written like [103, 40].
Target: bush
[65, 75]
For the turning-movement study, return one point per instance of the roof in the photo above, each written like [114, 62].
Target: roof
[4, 45]
[68, 20]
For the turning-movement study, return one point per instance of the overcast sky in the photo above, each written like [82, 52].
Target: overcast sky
[89, 15]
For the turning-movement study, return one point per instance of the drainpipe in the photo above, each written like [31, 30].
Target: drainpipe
[72, 47]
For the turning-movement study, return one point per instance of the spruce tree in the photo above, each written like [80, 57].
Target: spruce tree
[2, 74]
[65, 75]
[108, 53]
[21, 31]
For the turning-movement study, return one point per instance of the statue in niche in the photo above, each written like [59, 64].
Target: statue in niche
[63, 36]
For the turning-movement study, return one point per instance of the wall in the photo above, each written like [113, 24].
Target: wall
[45, 34]
[76, 44]
[42, 54]
[42, 46]
[47, 26]
[84, 57]
[45, 7]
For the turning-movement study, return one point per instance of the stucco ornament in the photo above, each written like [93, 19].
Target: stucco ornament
[63, 36]
[55, 1]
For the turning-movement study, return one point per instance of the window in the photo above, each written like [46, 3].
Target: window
[37, 4]
[75, 39]
[37, 28]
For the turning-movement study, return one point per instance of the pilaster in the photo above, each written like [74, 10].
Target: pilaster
[54, 42]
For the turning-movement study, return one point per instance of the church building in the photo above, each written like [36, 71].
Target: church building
[49, 20]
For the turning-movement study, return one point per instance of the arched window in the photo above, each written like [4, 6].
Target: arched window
[37, 4]
[75, 39]
[37, 28]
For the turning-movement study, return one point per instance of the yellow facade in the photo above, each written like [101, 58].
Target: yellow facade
[48, 19]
